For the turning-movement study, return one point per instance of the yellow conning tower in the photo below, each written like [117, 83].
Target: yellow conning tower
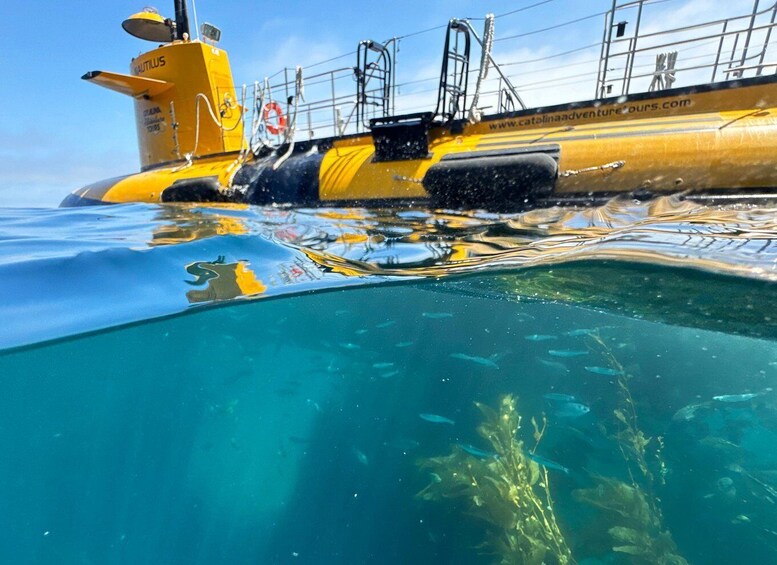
[185, 101]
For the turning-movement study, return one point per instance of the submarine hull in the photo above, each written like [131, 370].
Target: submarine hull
[714, 141]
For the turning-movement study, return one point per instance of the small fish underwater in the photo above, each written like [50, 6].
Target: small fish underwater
[571, 410]
[606, 371]
[435, 419]
[485, 362]
[326, 419]
[559, 397]
[477, 452]
[566, 353]
[547, 463]
[539, 337]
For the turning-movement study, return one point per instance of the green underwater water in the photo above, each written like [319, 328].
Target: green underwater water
[304, 429]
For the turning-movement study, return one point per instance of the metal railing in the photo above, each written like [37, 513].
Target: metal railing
[738, 47]
[631, 59]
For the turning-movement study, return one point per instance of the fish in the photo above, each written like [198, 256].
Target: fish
[385, 325]
[437, 315]
[566, 353]
[723, 446]
[547, 463]
[384, 365]
[737, 397]
[606, 371]
[361, 457]
[557, 366]
[361, 331]
[571, 410]
[539, 337]
[486, 362]
[580, 332]
[557, 397]
[687, 413]
[404, 344]
[350, 345]
[435, 419]
[476, 452]
[389, 374]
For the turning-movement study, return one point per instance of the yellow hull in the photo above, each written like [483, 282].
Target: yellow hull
[708, 139]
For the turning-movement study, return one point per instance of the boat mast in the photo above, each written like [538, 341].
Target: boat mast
[181, 20]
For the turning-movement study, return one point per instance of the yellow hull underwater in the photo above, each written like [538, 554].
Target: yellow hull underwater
[708, 140]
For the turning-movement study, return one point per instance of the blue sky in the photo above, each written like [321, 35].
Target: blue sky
[58, 133]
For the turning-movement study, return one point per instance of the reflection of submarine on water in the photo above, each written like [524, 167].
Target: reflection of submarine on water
[224, 281]
[190, 122]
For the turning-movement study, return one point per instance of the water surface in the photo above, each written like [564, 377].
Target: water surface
[238, 385]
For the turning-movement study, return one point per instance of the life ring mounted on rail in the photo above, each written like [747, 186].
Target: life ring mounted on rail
[279, 124]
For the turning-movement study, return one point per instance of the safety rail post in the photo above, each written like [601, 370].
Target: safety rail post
[749, 33]
[633, 49]
[286, 85]
[733, 53]
[766, 40]
[394, 50]
[335, 128]
[720, 50]
[604, 57]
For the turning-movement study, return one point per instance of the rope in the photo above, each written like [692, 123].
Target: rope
[255, 141]
[299, 92]
[570, 22]
[529, 7]
[201, 96]
[607, 166]
[485, 58]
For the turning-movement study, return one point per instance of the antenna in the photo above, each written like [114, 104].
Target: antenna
[194, 12]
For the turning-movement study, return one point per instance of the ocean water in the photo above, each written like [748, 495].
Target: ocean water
[189, 384]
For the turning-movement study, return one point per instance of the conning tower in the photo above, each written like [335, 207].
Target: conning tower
[186, 106]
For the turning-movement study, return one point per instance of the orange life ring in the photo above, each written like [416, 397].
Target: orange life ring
[280, 120]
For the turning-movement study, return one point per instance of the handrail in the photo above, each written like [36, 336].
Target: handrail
[727, 47]
[629, 47]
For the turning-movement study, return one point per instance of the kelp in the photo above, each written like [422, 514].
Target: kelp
[508, 493]
[638, 529]
[632, 509]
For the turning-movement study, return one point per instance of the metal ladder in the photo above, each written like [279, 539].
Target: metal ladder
[454, 75]
[373, 73]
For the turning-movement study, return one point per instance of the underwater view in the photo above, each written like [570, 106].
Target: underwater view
[231, 384]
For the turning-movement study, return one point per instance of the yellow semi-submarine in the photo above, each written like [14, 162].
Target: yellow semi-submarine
[201, 139]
